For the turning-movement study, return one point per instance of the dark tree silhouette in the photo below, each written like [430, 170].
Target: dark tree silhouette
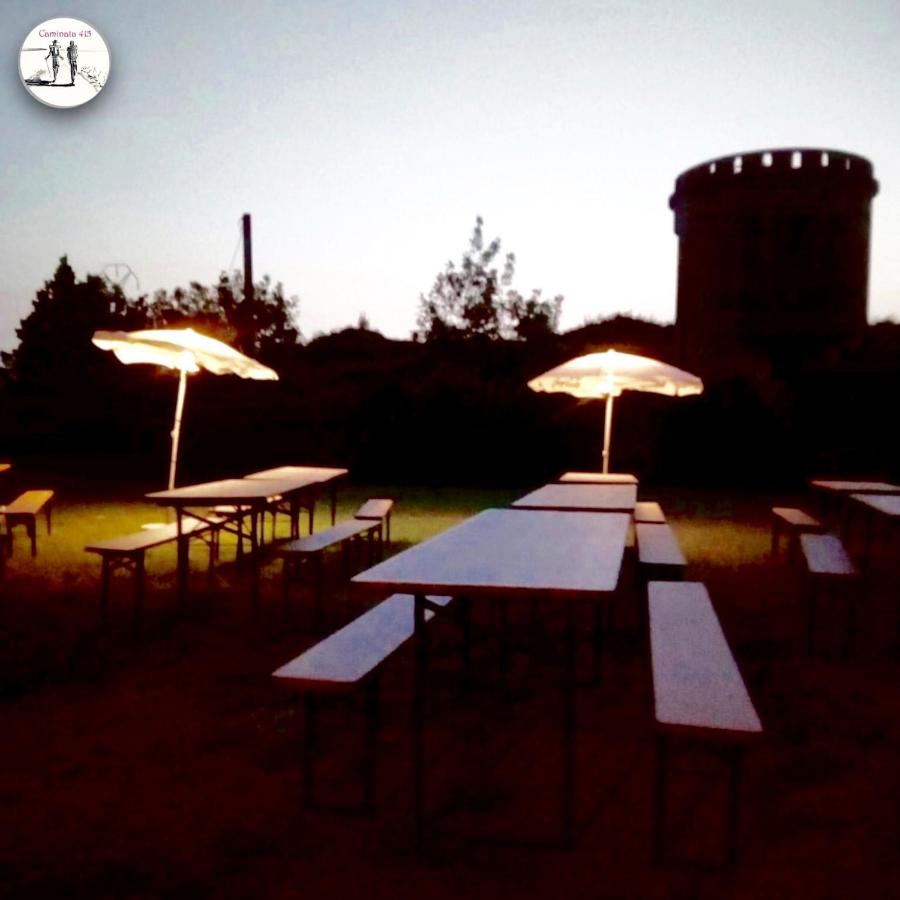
[267, 324]
[475, 300]
[55, 338]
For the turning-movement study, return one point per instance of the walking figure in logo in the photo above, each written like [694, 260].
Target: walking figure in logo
[54, 56]
[72, 54]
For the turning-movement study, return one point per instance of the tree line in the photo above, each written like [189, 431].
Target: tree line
[450, 405]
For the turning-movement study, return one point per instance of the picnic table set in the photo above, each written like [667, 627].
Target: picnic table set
[564, 544]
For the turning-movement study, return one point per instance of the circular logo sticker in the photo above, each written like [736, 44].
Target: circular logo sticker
[64, 62]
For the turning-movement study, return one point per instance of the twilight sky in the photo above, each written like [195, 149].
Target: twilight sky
[365, 136]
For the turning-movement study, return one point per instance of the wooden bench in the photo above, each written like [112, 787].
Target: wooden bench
[831, 572]
[349, 659]
[650, 512]
[659, 556]
[311, 549]
[699, 695]
[378, 508]
[128, 551]
[791, 522]
[24, 510]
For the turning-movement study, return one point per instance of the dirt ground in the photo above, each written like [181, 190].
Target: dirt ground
[168, 765]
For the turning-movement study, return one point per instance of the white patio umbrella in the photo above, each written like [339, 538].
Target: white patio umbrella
[188, 352]
[607, 374]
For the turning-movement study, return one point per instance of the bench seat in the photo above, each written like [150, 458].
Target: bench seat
[792, 522]
[346, 657]
[699, 694]
[378, 508]
[826, 555]
[650, 512]
[330, 537]
[128, 552]
[24, 511]
[312, 549]
[350, 658]
[830, 571]
[659, 555]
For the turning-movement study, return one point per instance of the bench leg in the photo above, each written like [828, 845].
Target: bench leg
[418, 717]
[503, 639]
[371, 744]
[138, 590]
[659, 806]
[318, 589]
[600, 610]
[311, 709]
[851, 617]
[734, 805]
[465, 615]
[811, 617]
[213, 540]
[568, 748]
[285, 584]
[31, 527]
[104, 588]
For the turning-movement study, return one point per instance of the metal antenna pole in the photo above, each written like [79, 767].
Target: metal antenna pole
[247, 304]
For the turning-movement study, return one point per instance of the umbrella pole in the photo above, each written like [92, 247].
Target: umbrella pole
[176, 429]
[607, 432]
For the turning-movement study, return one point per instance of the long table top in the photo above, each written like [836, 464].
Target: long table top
[586, 497]
[504, 552]
[597, 478]
[855, 487]
[227, 490]
[256, 487]
[308, 474]
[886, 504]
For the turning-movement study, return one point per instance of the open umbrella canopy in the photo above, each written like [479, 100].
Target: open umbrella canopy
[607, 374]
[186, 351]
[183, 349]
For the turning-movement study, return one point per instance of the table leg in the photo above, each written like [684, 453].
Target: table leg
[138, 590]
[419, 719]
[182, 543]
[659, 806]
[568, 798]
[254, 557]
[104, 588]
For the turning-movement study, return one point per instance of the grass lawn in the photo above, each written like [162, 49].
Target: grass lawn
[167, 765]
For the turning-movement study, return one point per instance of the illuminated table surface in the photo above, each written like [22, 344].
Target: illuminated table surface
[584, 497]
[886, 504]
[855, 487]
[254, 494]
[597, 478]
[514, 554]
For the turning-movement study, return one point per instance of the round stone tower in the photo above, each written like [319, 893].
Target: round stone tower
[773, 256]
